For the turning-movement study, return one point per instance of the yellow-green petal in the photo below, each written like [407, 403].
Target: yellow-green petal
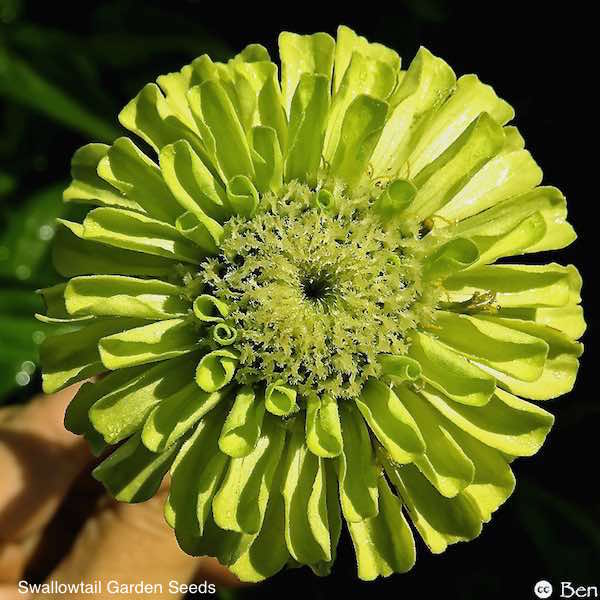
[450, 372]
[323, 429]
[383, 544]
[243, 424]
[242, 499]
[390, 421]
[176, 415]
[149, 343]
[513, 352]
[113, 295]
[357, 469]
[507, 423]
[444, 463]
[216, 369]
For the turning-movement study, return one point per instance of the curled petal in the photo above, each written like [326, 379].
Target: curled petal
[216, 369]
[323, 430]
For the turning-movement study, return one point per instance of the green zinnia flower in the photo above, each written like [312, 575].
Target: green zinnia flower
[298, 307]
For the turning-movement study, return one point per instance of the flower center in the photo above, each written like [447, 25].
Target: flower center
[315, 294]
[318, 286]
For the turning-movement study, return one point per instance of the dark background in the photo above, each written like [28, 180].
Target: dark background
[67, 69]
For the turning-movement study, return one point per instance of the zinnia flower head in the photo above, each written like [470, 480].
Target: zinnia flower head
[298, 303]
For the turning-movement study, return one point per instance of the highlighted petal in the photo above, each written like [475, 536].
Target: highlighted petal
[72, 255]
[568, 319]
[444, 463]
[74, 356]
[113, 295]
[195, 477]
[268, 553]
[175, 87]
[544, 203]
[308, 117]
[216, 370]
[132, 473]
[518, 285]
[210, 309]
[56, 310]
[214, 111]
[441, 179]
[440, 521]
[507, 175]
[150, 116]
[134, 231]
[125, 400]
[450, 372]
[469, 100]
[242, 427]
[241, 501]
[87, 187]
[390, 421]
[560, 368]
[150, 343]
[557, 378]
[226, 546]
[395, 199]
[506, 422]
[192, 184]
[259, 95]
[456, 255]
[400, 368]
[364, 77]
[223, 334]
[494, 481]
[242, 196]
[206, 233]
[323, 431]
[300, 55]
[383, 544]
[425, 86]
[176, 415]
[304, 494]
[357, 469]
[139, 179]
[280, 399]
[359, 133]
[512, 352]
[348, 42]
[268, 159]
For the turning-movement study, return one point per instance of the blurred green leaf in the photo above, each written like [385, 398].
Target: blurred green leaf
[125, 49]
[9, 9]
[20, 337]
[7, 184]
[25, 242]
[21, 83]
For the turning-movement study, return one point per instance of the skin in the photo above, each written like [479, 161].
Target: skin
[56, 523]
